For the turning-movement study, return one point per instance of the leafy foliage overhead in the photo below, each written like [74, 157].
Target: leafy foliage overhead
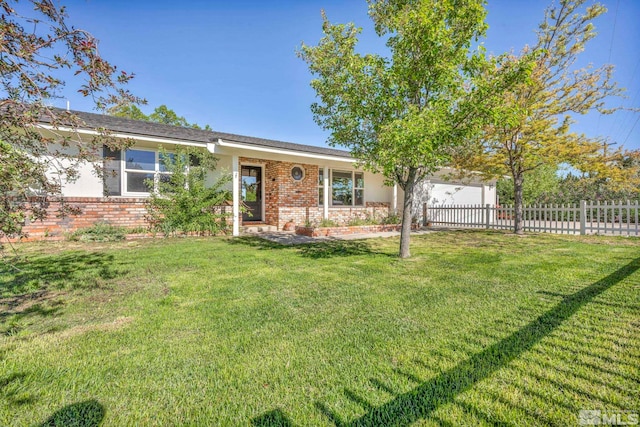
[39, 53]
[402, 114]
[531, 121]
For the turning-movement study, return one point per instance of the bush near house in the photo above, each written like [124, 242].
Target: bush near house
[99, 232]
[184, 201]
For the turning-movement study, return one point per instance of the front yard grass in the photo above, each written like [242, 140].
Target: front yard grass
[478, 328]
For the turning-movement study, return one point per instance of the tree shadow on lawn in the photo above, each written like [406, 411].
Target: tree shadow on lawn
[89, 413]
[35, 286]
[10, 386]
[421, 402]
[75, 270]
[315, 250]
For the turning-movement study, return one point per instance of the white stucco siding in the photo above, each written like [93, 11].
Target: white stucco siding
[223, 167]
[86, 184]
[490, 194]
[375, 190]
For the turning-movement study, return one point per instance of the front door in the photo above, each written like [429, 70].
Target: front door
[252, 192]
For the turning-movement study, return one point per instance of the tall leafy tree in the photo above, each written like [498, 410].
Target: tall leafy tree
[531, 126]
[541, 186]
[38, 51]
[161, 114]
[400, 114]
[129, 111]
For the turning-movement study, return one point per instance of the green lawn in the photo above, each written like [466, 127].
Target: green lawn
[476, 329]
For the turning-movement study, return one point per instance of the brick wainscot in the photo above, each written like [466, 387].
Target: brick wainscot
[117, 211]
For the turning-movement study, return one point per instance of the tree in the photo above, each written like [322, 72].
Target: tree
[541, 186]
[161, 114]
[129, 111]
[586, 186]
[183, 201]
[38, 50]
[531, 126]
[400, 115]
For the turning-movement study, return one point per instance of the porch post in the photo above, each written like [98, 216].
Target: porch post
[235, 181]
[325, 193]
[394, 201]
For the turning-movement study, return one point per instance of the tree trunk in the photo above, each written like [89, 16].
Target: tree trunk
[405, 233]
[518, 226]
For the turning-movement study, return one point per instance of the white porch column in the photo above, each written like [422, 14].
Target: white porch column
[325, 193]
[394, 202]
[235, 181]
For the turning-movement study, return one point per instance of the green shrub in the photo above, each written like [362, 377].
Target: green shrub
[392, 218]
[184, 203]
[137, 230]
[99, 232]
[327, 223]
[362, 221]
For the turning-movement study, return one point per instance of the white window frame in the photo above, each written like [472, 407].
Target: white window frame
[156, 172]
[353, 189]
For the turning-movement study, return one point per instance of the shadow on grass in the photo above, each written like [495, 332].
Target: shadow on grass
[74, 270]
[420, 402]
[36, 286]
[314, 250]
[255, 242]
[10, 387]
[89, 413]
[339, 248]
[275, 418]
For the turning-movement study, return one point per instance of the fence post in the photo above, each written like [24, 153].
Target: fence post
[583, 217]
[424, 214]
[487, 215]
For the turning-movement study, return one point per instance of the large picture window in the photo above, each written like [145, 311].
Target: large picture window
[135, 171]
[347, 188]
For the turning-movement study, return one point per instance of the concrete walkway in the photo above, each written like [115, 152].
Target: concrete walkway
[291, 238]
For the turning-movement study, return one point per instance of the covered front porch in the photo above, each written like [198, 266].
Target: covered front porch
[275, 186]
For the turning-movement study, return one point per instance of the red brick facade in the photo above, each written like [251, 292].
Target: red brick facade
[123, 212]
[286, 199]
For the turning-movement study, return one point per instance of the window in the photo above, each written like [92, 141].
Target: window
[140, 170]
[134, 171]
[347, 188]
[112, 167]
[341, 188]
[297, 173]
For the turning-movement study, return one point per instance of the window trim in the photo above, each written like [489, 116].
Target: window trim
[322, 187]
[125, 171]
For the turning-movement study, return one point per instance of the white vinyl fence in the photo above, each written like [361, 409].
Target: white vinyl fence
[613, 218]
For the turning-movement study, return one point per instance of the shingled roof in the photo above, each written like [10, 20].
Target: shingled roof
[151, 129]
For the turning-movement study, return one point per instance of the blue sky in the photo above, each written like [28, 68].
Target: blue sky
[232, 64]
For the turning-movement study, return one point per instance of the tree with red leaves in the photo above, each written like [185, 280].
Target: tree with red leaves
[40, 148]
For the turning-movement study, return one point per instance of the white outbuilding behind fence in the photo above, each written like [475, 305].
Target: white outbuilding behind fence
[612, 218]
